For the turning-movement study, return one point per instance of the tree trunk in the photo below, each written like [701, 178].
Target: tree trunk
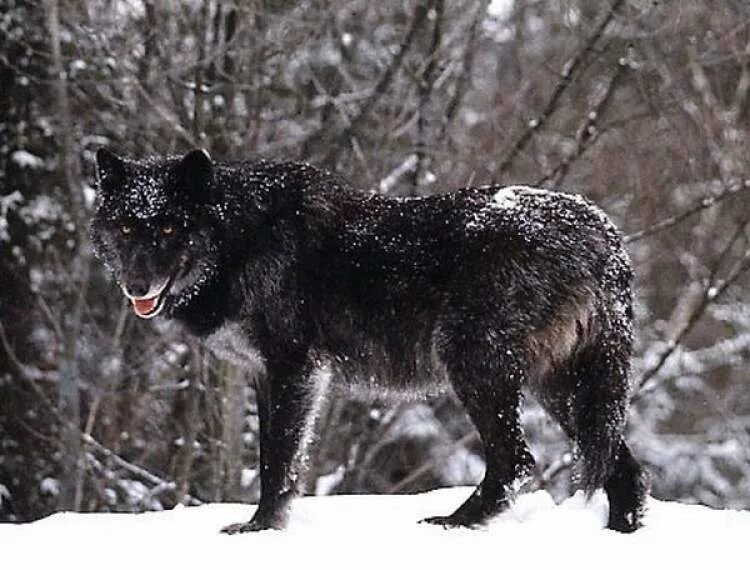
[69, 404]
[233, 418]
[190, 421]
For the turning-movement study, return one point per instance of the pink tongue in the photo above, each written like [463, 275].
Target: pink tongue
[144, 306]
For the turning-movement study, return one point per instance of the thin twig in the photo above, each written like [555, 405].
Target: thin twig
[87, 439]
[425, 86]
[136, 469]
[464, 78]
[381, 87]
[431, 463]
[568, 73]
[554, 469]
[588, 133]
[163, 113]
[709, 201]
[712, 291]
[30, 373]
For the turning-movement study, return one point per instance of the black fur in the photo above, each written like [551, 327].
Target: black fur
[285, 270]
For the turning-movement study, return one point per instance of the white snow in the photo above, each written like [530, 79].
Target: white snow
[7, 203]
[506, 197]
[4, 494]
[500, 9]
[387, 183]
[25, 159]
[382, 532]
[89, 195]
[50, 486]
[325, 484]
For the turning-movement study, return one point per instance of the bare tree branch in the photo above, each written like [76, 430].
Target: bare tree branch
[568, 73]
[709, 201]
[713, 290]
[32, 377]
[588, 133]
[462, 83]
[425, 86]
[427, 466]
[421, 10]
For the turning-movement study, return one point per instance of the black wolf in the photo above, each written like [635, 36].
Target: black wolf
[287, 271]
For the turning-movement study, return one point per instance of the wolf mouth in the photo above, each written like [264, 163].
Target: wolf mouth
[151, 304]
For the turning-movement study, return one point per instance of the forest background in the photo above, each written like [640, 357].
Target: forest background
[641, 106]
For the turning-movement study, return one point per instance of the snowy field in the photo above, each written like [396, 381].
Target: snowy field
[381, 532]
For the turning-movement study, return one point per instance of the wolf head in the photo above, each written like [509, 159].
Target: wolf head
[153, 229]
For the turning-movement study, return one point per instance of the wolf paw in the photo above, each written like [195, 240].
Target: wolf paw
[451, 521]
[250, 526]
[626, 522]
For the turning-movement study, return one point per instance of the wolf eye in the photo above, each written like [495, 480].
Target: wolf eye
[125, 229]
[167, 230]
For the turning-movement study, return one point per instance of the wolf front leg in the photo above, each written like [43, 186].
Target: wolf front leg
[288, 401]
[487, 380]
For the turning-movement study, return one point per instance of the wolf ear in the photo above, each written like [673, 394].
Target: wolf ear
[194, 172]
[110, 168]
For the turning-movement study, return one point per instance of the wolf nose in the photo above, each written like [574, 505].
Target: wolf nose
[137, 287]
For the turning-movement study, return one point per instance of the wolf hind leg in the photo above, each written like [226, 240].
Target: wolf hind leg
[627, 489]
[590, 402]
[489, 387]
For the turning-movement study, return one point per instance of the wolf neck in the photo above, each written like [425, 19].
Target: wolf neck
[205, 309]
[260, 241]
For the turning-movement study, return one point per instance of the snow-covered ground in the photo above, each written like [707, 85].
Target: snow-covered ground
[355, 532]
